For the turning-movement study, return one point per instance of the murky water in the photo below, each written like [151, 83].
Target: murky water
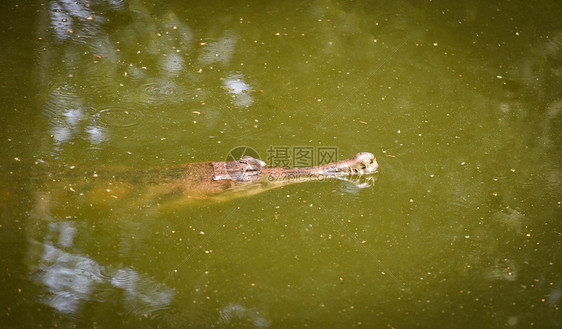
[460, 103]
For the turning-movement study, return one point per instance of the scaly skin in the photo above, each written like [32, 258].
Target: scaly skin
[252, 177]
[361, 164]
[205, 181]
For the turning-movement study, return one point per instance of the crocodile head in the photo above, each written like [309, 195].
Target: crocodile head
[248, 176]
[352, 170]
[361, 164]
[249, 169]
[358, 169]
[244, 170]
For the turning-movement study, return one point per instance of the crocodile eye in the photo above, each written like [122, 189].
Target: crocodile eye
[363, 166]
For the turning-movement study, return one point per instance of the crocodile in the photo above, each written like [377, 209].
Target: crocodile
[199, 181]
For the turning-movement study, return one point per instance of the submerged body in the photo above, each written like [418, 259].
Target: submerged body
[205, 181]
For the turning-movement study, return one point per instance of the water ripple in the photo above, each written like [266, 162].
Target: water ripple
[158, 90]
[118, 117]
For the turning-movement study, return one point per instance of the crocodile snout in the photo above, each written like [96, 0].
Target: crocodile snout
[365, 163]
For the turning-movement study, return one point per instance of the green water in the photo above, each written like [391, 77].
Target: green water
[459, 101]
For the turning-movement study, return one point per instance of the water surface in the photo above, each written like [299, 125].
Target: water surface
[459, 102]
